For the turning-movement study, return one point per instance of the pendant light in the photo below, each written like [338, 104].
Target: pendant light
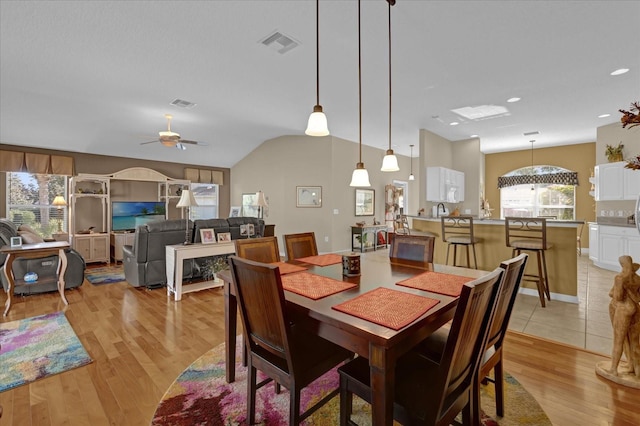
[390, 161]
[360, 176]
[411, 176]
[317, 125]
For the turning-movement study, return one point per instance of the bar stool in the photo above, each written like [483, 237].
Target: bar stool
[402, 225]
[529, 234]
[458, 231]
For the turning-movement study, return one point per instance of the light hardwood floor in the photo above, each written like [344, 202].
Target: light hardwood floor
[141, 340]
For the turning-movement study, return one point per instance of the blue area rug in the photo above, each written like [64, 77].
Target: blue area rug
[106, 275]
[37, 347]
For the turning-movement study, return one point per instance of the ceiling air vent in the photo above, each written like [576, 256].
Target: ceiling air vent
[180, 103]
[279, 42]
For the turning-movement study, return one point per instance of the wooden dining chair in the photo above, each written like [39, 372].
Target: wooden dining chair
[412, 248]
[284, 352]
[263, 249]
[433, 346]
[428, 392]
[300, 245]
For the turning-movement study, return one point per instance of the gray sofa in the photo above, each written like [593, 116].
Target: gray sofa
[144, 261]
[44, 266]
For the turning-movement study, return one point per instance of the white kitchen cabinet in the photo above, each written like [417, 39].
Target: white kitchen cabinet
[594, 253]
[444, 185]
[614, 182]
[613, 242]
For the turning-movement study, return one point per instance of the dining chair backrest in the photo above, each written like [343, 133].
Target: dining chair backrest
[418, 248]
[511, 279]
[263, 249]
[468, 335]
[300, 245]
[457, 229]
[526, 232]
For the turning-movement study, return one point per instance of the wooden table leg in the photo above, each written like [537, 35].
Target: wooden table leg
[230, 327]
[62, 268]
[10, 282]
[382, 386]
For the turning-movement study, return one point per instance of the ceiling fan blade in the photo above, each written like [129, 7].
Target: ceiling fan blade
[145, 143]
[193, 142]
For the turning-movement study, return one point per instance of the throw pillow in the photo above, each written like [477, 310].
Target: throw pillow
[27, 228]
[30, 237]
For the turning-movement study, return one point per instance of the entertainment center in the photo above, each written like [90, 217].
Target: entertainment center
[105, 209]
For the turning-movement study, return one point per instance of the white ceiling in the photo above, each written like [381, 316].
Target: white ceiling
[98, 76]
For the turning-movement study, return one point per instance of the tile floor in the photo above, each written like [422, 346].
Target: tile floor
[585, 324]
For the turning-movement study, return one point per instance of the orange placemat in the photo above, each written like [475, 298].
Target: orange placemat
[288, 268]
[390, 308]
[322, 259]
[313, 286]
[437, 282]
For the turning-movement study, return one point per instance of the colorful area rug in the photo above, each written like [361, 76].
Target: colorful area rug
[34, 348]
[201, 396]
[105, 275]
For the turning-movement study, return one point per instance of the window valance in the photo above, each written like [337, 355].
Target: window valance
[17, 161]
[564, 178]
[204, 176]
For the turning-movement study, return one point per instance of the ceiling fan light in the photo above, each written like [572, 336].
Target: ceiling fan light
[168, 134]
[317, 125]
[390, 162]
[360, 176]
[168, 142]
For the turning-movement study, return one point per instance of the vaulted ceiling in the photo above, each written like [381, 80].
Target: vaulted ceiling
[98, 76]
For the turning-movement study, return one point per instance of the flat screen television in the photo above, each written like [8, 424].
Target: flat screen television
[127, 215]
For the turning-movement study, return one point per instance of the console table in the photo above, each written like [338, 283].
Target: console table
[34, 251]
[175, 256]
[362, 231]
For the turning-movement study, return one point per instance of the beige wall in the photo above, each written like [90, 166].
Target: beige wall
[102, 164]
[279, 165]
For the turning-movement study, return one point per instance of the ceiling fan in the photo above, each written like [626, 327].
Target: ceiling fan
[172, 139]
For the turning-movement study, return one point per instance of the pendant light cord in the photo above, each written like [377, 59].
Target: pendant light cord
[389, 74]
[317, 52]
[359, 90]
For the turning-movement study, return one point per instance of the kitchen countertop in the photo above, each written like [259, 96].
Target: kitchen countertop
[614, 221]
[489, 221]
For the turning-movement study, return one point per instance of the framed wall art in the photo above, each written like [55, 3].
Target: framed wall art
[308, 196]
[365, 202]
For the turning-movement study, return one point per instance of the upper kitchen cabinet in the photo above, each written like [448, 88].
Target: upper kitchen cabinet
[445, 185]
[614, 182]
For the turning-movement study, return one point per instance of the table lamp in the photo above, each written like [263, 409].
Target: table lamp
[59, 202]
[186, 200]
[261, 203]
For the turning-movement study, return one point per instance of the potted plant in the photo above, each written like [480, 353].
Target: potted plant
[614, 153]
[212, 266]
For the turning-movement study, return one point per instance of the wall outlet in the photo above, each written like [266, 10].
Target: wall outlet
[326, 239]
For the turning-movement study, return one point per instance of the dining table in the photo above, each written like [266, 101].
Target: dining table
[381, 345]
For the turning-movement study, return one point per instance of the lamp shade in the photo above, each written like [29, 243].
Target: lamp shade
[317, 125]
[390, 162]
[360, 176]
[261, 200]
[412, 177]
[187, 199]
[59, 201]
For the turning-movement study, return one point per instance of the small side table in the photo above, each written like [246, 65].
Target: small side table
[34, 251]
[368, 229]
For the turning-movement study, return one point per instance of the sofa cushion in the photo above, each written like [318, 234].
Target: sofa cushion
[30, 237]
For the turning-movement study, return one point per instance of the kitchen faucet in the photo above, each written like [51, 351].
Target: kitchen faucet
[438, 208]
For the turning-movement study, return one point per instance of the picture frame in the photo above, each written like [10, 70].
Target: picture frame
[365, 202]
[308, 196]
[247, 230]
[16, 241]
[207, 236]
[224, 236]
[250, 205]
[235, 211]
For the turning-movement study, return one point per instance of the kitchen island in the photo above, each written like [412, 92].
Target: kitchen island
[562, 261]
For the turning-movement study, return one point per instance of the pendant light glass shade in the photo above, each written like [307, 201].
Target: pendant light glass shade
[390, 161]
[317, 125]
[360, 176]
[411, 176]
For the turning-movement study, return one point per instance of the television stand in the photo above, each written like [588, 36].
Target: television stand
[118, 240]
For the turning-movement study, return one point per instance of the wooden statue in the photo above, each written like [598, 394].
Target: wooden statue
[624, 311]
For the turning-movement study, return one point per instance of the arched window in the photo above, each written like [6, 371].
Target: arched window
[538, 191]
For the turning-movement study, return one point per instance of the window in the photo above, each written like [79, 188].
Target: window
[206, 195]
[555, 200]
[30, 202]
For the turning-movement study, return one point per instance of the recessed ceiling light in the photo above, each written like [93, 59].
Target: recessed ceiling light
[453, 123]
[604, 115]
[620, 71]
[512, 100]
[474, 136]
